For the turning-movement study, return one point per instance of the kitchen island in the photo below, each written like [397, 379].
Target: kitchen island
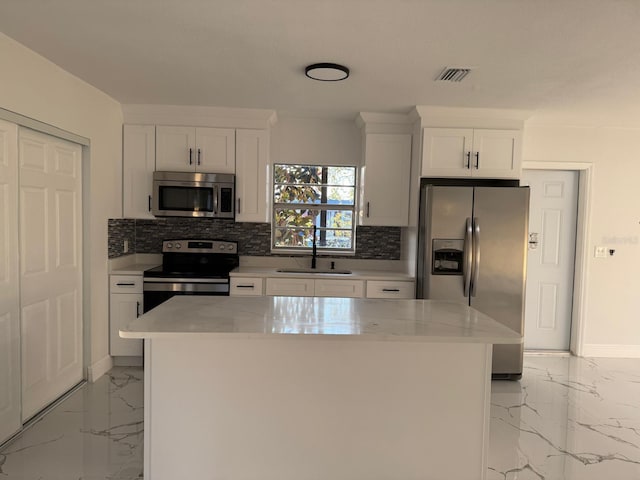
[316, 388]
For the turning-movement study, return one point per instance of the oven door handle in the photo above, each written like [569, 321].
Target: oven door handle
[215, 199]
[184, 280]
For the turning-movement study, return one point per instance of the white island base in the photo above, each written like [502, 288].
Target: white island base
[384, 402]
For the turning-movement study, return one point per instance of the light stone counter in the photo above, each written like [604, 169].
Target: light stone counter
[358, 273]
[334, 318]
[300, 388]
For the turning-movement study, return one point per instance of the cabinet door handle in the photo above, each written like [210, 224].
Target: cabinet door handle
[477, 160]
[245, 286]
[390, 289]
[149, 202]
[126, 284]
[137, 309]
[238, 209]
[368, 209]
[190, 156]
[199, 156]
[468, 160]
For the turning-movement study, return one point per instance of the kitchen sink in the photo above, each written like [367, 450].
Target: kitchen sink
[314, 270]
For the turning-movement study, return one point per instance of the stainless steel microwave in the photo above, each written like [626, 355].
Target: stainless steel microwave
[191, 194]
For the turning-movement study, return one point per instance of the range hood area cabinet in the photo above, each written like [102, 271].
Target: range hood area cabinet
[195, 149]
[468, 152]
[385, 180]
[144, 152]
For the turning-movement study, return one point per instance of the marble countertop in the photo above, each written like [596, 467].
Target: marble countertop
[133, 269]
[359, 274]
[319, 317]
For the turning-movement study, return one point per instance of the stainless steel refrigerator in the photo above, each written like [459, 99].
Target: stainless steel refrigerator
[473, 250]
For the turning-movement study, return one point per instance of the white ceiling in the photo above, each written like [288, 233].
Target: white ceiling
[556, 55]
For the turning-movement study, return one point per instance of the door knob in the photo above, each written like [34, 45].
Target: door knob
[533, 241]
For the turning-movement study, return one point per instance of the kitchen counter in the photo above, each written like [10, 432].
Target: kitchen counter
[321, 318]
[360, 274]
[307, 388]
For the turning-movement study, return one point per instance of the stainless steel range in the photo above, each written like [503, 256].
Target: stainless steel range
[190, 267]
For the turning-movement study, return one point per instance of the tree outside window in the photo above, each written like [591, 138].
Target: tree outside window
[308, 195]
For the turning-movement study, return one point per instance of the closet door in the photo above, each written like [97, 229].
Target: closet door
[50, 268]
[10, 420]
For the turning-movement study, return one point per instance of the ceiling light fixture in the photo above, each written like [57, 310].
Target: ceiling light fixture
[327, 72]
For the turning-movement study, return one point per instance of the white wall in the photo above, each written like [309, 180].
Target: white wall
[34, 87]
[612, 325]
[314, 141]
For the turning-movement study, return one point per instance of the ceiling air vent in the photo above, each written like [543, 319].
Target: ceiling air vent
[453, 74]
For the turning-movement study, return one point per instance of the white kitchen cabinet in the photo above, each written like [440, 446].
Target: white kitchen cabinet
[138, 164]
[195, 149]
[309, 287]
[339, 288]
[125, 305]
[384, 180]
[253, 178]
[390, 289]
[467, 152]
[246, 286]
[290, 287]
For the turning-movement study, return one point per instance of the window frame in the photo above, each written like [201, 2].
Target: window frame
[353, 209]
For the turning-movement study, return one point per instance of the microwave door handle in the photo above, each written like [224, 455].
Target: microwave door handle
[215, 199]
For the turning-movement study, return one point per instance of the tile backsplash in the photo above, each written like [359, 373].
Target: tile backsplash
[254, 239]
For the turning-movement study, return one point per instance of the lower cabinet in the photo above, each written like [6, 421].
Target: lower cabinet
[246, 286]
[390, 289]
[339, 288]
[125, 305]
[291, 287]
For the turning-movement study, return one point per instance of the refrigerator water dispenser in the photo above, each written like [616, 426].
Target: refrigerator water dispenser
[448, 256]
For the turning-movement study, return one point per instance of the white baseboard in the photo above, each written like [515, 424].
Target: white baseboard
[99, 368]
[611, 351]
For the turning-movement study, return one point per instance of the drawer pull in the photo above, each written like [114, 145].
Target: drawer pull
[245, 286]
[126, 284]
[390, 289]
[137, 309]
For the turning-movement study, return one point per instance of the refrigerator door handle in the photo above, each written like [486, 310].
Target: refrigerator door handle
[476, 256]
[468, 257]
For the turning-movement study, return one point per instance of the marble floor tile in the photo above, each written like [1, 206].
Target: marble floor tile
[567, 419]
[95, 434]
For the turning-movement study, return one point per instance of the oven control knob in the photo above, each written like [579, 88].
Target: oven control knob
[230, 247]
[178, 245]
[169, 245]
[221, 247]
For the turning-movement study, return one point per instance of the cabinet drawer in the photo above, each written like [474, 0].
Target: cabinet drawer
[293, 287]
[125, 283]
[390, 289]
[339, 288]
[245, 286]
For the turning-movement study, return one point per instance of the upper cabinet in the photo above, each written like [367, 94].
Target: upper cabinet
[467, 152]
[252, 176]
[139, 162]
[384, 179]
[195, 149]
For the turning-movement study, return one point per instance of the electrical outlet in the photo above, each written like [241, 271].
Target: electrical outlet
[125, 246]
[601, 252]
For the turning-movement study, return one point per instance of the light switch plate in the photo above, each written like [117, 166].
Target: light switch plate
[601, 252]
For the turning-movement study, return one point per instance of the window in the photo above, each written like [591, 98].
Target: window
[305, 196]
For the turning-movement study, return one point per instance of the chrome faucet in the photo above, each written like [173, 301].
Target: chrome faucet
[314, 251]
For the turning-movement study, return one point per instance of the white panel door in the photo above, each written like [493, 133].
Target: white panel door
[385, 180]
[252, 176]
[175, 149]
[50, 268]
[215, 150]
[551, 259]
[10, 418]
[446, 152]
[138, 164]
